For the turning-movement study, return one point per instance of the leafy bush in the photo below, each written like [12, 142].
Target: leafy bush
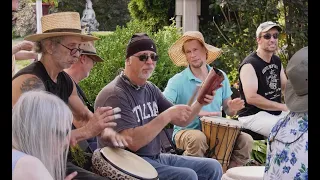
[153, 13]
[26, 19]
[112, 48]
[259, 151]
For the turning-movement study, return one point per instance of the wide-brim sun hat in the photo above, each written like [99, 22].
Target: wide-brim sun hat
[296, 91]
[177, 55]
[60, 24]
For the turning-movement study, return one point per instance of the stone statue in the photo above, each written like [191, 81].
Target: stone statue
[88, 20]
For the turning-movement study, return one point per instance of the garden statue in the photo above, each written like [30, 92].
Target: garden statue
[88, 20]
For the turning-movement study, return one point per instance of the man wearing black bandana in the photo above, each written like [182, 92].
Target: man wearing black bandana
[145, 112]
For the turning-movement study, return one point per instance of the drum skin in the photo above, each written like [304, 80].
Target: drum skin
[221, 134]
[244, 173]
[119, 164]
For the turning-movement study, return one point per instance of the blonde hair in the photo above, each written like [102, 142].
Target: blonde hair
[41, 127]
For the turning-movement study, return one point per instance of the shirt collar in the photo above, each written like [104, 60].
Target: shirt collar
[191, 76]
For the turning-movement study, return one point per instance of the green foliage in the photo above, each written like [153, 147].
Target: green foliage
[26, 19]
[259, 151]
[109, 13]
[112, 48]
[153, 13]
[235, 23]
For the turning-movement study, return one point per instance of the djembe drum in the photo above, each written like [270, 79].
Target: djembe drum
[117, 163]
[221, 136]
[244, 173]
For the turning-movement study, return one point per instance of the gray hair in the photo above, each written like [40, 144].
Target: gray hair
[40, 45]
[41, 127]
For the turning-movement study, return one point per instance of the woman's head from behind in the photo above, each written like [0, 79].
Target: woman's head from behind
[41, 127]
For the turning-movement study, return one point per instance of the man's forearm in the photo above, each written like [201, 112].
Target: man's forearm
[196, 108]
[263, 103]
[143, 135]
[79, 134]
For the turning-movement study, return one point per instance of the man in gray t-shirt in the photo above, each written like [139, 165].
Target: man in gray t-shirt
[145, 112]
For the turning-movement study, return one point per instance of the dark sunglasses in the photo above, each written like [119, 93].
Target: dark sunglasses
[73, 51]
[145, 57]
[268, 36]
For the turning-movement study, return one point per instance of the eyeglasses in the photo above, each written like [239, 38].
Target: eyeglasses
[268, 36]
[73, 51]
[145, 57]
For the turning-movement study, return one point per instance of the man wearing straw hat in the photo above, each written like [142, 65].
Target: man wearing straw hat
[145, 112]
[59, 45]
[262, 81]
[191, 50]
[287, 151]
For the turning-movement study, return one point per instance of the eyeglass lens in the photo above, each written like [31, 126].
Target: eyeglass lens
[145, 57]
[268, 36]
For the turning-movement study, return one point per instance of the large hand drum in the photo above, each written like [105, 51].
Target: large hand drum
[221, 136]
[116, 163]
[244, 173]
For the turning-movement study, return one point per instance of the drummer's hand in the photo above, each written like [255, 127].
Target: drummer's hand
[102, 118]
[109, 135]
[209, 98]
[235, 104]
[178, 114]
[71, 176]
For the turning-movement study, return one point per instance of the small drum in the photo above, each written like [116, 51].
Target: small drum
[117, 163]
[221, 136]
[244, 173]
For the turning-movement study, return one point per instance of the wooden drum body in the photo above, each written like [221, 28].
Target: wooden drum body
[221, 136]
[117, 163]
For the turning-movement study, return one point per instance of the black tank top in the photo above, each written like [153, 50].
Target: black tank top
[64, 86]
[269, 85]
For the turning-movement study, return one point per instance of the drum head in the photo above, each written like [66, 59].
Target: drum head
[129, 163]
[246, 172]
[222, 121]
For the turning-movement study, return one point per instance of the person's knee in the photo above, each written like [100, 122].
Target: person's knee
[245, 140]
[196, 137]
[213, 167]
[187, 174]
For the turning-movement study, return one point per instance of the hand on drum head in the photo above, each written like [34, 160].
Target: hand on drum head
[235, 104]
[71, 176]
[109, 136]
[102, 118]
[178, 114]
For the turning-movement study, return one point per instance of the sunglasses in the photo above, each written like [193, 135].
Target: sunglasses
[73, 51]
[268, 36]
[145, 57]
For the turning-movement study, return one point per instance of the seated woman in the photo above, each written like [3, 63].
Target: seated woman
[41, 126]
[287, 151]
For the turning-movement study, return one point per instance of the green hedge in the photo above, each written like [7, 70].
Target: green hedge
[112, 48]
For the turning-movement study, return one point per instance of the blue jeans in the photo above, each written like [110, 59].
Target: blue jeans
[170, 166]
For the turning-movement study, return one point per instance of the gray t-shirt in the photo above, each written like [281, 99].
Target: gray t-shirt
[138, 106]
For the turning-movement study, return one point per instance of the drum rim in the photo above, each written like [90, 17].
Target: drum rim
[118, 168]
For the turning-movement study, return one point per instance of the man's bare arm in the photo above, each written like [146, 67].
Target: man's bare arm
[249, 82]
[26, 55]
[80, 112]
[24, 83]
[142, 135]
[283, 79]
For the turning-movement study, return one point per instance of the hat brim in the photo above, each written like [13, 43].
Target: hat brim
[178, 57]
[273, 26]
[94, 57]
[293, 101]
[39, 37]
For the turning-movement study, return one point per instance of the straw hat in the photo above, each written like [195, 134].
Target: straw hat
[177, 55]
[89, 50]
[60, 24]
